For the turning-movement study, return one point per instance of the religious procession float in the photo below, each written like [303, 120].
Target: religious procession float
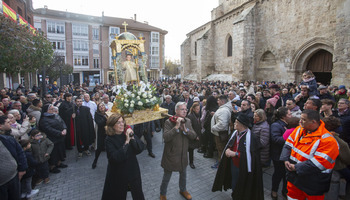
[135, 96]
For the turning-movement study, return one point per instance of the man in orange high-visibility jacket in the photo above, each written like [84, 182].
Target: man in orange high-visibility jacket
[309, 154]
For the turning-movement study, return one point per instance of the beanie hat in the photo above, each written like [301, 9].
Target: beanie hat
[272, 101]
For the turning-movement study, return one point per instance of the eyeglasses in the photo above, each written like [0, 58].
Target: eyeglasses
[184, 109]
[120, 122]
[38, 135]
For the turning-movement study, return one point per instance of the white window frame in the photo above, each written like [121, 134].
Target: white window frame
[80, 30]
[55, 27]
[80, 45]
[155, 50]
[113, 30]
[58, 43]
[95, 33]
[81, 60]
[96, 63]
[155, 37]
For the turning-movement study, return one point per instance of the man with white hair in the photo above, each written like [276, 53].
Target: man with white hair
[107, 103]
[232, 96]
[92, 105]
[177, 133]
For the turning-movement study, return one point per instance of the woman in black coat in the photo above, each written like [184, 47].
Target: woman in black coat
[278, 128]
[100, 119]
[196, 125]
[208, 138]
[123, 171]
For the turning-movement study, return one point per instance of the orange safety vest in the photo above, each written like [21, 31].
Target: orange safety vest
[320, 147]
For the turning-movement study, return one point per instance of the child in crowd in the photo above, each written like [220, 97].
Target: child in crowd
[26, 182]
[310, 82]
[32, 122]
[41, 148]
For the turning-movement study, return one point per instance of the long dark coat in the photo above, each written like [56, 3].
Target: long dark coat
[84, 125]
[176, 146]
[123, 167]
[65, 112]
[101, 120]
[249, 184]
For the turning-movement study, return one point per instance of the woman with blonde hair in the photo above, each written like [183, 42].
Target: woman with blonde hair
[123, 171]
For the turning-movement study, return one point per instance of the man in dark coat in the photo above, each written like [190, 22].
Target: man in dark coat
[84, 127]
[65, 112]
[240, 167]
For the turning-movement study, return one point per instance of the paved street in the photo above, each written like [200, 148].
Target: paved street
[79, 181]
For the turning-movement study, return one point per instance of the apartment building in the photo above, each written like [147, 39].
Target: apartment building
[83, 42]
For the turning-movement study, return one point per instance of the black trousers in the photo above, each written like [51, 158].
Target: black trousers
[11, 190]
[279, 174]
[145, 129]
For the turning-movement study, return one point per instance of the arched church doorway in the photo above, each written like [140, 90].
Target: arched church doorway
[321, 64]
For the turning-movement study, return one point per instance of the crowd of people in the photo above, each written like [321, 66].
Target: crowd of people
[304, 129]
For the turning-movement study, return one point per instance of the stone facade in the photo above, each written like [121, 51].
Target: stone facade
[271, 40]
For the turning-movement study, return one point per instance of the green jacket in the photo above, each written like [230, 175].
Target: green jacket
[40, 149]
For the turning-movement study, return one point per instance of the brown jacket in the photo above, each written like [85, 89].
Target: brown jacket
[176, 146]
[343, 160]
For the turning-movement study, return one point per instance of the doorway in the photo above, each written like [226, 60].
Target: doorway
[321, 65]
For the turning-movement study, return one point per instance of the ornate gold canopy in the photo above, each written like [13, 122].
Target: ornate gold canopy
[129, 43]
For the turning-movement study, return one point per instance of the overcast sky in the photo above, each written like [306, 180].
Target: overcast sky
[178, 17]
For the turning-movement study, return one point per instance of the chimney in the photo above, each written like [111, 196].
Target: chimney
[135, 17]
[46, 7]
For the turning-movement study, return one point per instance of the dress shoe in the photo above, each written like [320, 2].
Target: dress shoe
[47, 180]
[152, 155]
[62, 166]
[93, 165]
[55, 170]
[208, 155]
[192, 166]
[186, 195]
[162, 197]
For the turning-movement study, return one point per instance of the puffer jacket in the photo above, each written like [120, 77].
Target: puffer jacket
[52, 125]
[221, 119]
[39, 149]
[20, 132]
[262, 132]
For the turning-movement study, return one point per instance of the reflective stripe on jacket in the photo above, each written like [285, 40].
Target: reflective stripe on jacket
[320, 147]
[314, 156]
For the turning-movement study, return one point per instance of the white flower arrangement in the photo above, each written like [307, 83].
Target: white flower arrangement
[136, 98]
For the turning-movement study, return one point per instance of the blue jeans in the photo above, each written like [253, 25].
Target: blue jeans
[166, 179]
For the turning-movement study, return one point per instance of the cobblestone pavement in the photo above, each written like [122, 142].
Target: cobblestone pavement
[79, 181]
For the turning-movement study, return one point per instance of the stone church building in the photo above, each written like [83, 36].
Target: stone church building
[271, 40]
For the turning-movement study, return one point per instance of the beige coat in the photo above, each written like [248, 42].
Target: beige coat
[176, 146]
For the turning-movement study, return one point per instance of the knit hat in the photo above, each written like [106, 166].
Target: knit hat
[272, 101]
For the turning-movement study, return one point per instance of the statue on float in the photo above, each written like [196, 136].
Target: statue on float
[135, 96]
